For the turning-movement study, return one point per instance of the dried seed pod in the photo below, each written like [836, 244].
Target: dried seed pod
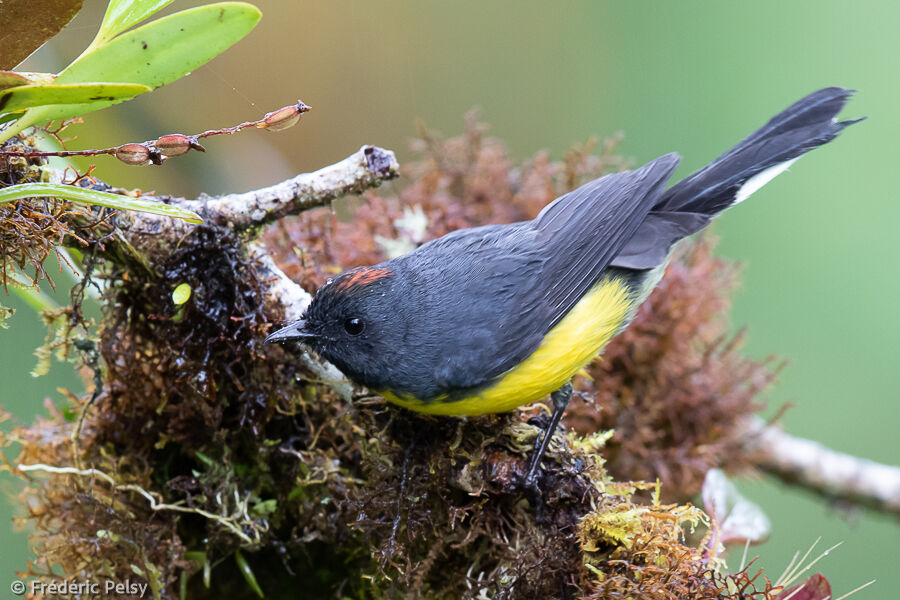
[133, 154]
[173, 144]
[283, 117]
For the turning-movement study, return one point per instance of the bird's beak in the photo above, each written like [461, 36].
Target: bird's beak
[294, 331]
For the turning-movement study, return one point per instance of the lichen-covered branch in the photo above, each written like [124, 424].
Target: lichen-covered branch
[153, 235]
[826, 472]
[365, 169]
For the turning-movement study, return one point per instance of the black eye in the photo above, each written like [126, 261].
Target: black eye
[354, 326]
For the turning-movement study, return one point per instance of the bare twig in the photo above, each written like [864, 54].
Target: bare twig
[827, 472]
[172, 144]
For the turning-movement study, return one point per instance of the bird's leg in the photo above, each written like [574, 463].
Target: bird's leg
[560, 400]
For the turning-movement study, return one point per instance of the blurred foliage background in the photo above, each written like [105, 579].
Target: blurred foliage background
[819, 245]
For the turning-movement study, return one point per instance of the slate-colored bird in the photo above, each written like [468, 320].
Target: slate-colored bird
[486, 319]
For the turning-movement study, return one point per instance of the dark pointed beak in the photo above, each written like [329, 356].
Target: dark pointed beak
[294, 331]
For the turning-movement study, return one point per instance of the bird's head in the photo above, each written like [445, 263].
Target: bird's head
[350, 322]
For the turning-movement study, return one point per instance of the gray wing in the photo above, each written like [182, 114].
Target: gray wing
[492, 293]
[581, 232]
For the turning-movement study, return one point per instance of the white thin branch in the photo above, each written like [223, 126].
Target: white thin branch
[282, 295]
[358, 172]
[285, 297]
[827, 472]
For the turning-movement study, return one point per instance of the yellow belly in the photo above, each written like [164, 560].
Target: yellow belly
[565, 350]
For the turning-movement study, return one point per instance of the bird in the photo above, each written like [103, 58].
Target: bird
[486, 319]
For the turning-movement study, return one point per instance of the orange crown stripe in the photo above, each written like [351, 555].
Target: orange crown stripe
[363, 276]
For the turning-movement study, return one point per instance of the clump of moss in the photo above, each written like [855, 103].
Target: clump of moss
[85, 528]
[447, 514]
[31, 231]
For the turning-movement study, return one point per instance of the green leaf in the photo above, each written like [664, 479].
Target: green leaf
[9, 117]
[247, 572]
[28, 96]
[122, 14]
[181, 294]
[87, 196]
[27, 24]
[154, 54]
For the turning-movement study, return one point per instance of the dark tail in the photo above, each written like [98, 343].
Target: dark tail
[689, 205]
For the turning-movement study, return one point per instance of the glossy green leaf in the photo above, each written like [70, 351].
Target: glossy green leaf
[28, 96]
[154, 54]
[88, 196]
[123, 14]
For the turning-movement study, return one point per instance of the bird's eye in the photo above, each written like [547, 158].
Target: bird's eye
[354, 326]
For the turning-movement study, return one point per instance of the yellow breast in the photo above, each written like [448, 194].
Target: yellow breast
[565, 350]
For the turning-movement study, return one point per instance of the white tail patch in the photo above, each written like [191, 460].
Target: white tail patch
[760, 179]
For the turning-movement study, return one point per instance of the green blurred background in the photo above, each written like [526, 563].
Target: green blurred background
[819, 245]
